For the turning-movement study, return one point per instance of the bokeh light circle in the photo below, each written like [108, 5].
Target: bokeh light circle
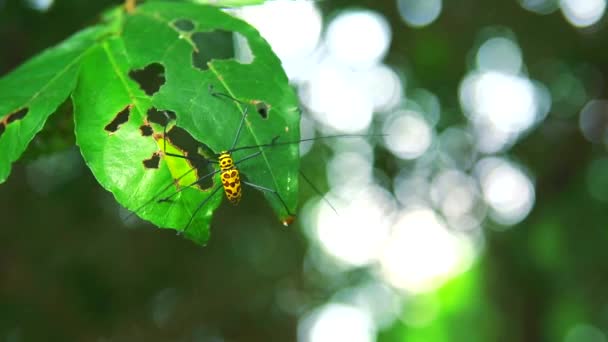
[506, 101]
[354, 232]
[500, 54]
[540, 6]
[338, 100]
[593, 121]
[422, 253]
[583, 13]
[358, 38]
[507, 190]
[382, 85]
[456, 196]
[417, 13]
[407, 134]
[291, 27]
[337, 322]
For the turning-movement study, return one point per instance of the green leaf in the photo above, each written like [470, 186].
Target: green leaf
[212, 120]
[115, 150]
[172, 38]
[32, 92]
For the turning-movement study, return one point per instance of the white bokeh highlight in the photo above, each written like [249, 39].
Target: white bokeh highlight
[358, 38]
[499, 54]
[337, 322]
[583, 13]
[507, 190]
[419, 13]
[407, 134]
[337, 99]
[502, 106]
[422, 253]
[456, 196]
[354, 235]
[293, 29]
[506, 101]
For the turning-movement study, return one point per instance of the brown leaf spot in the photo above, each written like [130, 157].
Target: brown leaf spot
[288, 220]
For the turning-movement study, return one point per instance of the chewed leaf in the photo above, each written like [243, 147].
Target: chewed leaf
[128, 162]
[260, 84]
[140, 93]
[120, 118]
[150, 78]
[32, 92]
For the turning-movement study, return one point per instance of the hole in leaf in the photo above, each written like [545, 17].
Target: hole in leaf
[150, 78]
[152, 162]
[158, 116]
[120, 118]
[58, 132]
[262, 108]
[18, 115]
[184, 25]
[211, 45]
[192, 148]
[12, 117]
[146, 130]
[245, 55]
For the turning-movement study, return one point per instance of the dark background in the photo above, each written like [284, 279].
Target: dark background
[70, 270]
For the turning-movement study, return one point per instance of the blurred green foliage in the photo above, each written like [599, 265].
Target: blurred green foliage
[71, 270]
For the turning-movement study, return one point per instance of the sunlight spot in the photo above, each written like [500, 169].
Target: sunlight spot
[355, 234]
[506, 188]
[583, 13]
[291, 27]
[456, 195]
[419, 13]
[422, 253]
[358, 38]
[337, 98]
[337, 322]
[408, 135]
[499, 54]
